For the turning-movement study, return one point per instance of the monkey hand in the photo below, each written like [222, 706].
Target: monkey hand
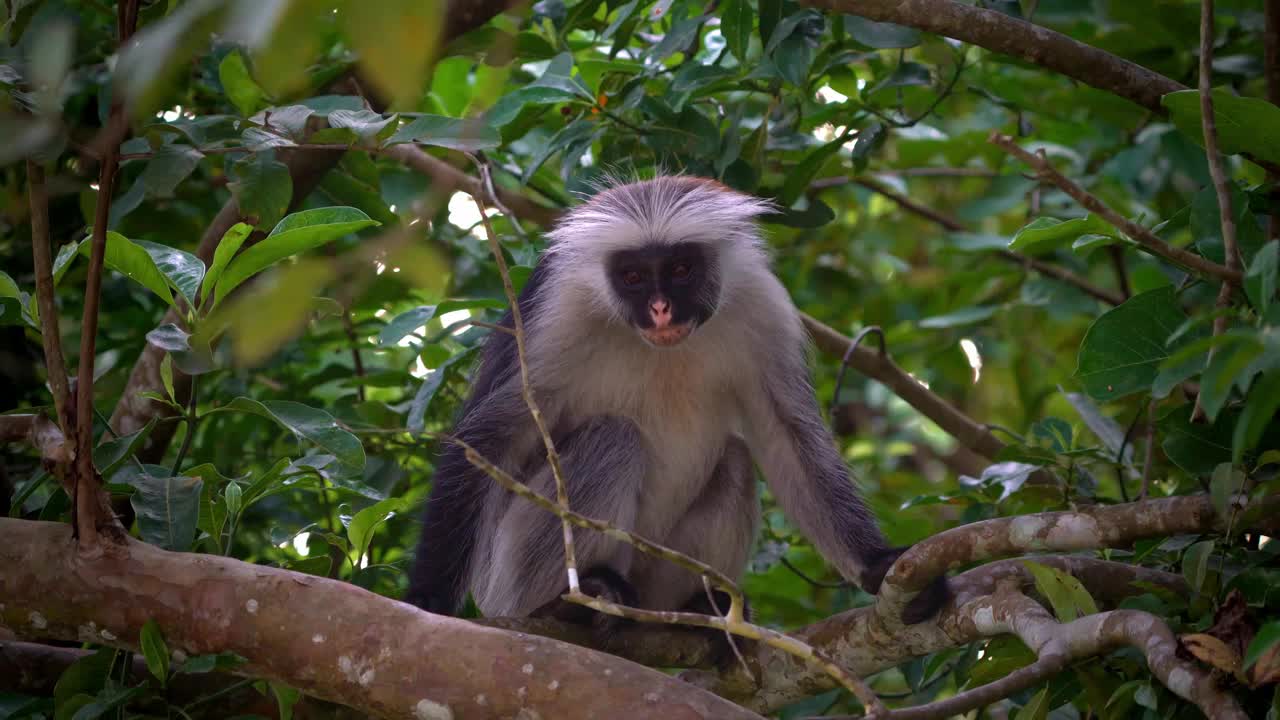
[922, 606]
[602, 583]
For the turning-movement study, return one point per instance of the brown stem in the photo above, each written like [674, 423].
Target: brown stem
[357, 362]
[1144, 237]
[50, 336]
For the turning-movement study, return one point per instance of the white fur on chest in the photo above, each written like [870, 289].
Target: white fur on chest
[682, 400]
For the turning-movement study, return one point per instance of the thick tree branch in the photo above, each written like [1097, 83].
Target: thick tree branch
[1002, 33]
[328, 638]
[1144, 237]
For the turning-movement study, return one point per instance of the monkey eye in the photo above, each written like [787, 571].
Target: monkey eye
[631, 278]
[681, 271]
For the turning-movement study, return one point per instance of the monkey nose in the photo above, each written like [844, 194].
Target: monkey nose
[660, 311]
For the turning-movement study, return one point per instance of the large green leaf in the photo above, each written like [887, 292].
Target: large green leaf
[453, 133]
[315, 426]
[363, 524]
[736, 22]
[1261, 280]
[263, 189]
[1046, 233]
[134, 262]
[239, 85]
[182, 270]
[296, 233]
[167, 507]
[1244, 124]
[405, 323]
[1123, 348]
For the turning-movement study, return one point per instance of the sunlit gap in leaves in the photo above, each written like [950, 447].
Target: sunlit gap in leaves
[465, 214]
[419, 369]
[975, 359]
[174, 113]
[299, 543]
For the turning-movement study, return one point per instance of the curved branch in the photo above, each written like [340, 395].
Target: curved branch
[1002, 33]
[880, 367]
[1144, 237]
[330, 639]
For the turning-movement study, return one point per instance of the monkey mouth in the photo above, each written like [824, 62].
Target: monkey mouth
[667, 336]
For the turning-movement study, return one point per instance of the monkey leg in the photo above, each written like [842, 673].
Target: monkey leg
[604, 463]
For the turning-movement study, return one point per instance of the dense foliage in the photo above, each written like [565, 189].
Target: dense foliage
[304, 439]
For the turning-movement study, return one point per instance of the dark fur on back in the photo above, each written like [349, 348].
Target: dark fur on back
[451, 520]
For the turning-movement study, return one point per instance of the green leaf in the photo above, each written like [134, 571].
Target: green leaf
[1268, 637]
[154, 651]
[880, 35]
[1259, 410]
[431, 384]
[109, 455]
[182, 270]
[1261, 279]
[1195, 564]
[1229, 366]
[170, 165]
[85, 676]
[239, 85]
[736, 23]
[453, 133]
[370, 127]
[1069, 598]
[1244, 124]
[1045, 233]
[62, 263]
[1224, 485]
[167, 507]
[360, 529]
[313, 425]
[802, 174]
[405, 323]
[1124, 347]
[234, 497]
[1037, 708]
[967, 316]
[166, 377]
[296, 233]
[263, 189]
[286, 698]
[1196, 447]
[131, 260]
[230, 243]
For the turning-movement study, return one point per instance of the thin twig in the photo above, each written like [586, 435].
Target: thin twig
[949, 223]
[816, 583]
[192, 419]
[553, 458]
[1143, 236]
[357, 363]
[1209, 124]
[848, 353]
[50, 335]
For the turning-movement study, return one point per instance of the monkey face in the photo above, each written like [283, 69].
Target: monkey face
[667, 290]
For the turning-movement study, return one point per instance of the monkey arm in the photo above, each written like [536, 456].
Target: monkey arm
[800, 461]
